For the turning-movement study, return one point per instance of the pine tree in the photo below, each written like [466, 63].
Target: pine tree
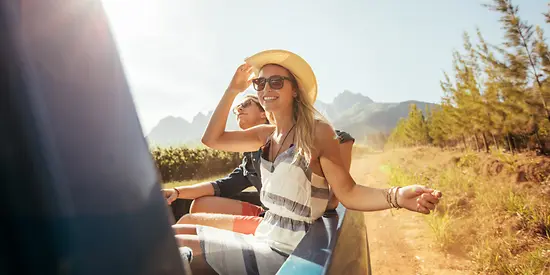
[416, 129]
[455, 102]
[411, 131]
[397, 136]
[547, 15]
[542, 55]
[519, 37]
[492, 94]
[438, 127]
[471, 104]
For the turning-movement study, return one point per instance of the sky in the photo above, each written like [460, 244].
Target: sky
[179, 55]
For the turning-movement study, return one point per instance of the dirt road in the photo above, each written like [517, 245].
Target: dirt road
[401, 242]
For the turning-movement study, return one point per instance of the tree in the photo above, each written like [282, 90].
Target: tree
[411, 131]
[496, 91]
[547, 15]
[519, 37]
[416, 128]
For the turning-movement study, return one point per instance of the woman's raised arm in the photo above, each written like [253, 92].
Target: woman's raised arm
[215, 135]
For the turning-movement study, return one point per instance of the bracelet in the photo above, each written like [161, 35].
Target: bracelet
[392, 198]
[388, 198]
[396, 204]
[177, 192]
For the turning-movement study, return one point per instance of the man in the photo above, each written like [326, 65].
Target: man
[214, 197]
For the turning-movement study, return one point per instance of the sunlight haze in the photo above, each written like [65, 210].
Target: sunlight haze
[179, 56]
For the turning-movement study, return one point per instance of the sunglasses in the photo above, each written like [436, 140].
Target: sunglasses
[276, 82]
[241, 105]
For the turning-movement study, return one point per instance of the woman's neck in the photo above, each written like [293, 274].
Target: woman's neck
[283, 123]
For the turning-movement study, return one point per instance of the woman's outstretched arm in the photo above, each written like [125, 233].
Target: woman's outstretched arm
[363, 198]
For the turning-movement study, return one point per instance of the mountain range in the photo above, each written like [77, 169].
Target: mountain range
[354, 113]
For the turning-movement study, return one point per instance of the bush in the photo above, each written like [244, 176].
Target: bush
[180, 163]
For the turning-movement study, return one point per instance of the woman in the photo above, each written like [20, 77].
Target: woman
[212, 204]
[299, 160]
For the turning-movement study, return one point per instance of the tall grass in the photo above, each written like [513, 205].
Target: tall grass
[443, 227]
[502, 228]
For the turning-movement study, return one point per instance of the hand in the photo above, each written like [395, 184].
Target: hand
[241, 79]
[170, 195]
[418, 198]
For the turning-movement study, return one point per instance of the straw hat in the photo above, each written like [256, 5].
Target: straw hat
[295, 64]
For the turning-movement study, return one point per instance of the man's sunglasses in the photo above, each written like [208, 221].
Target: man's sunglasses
[241, 105]
[276, 82]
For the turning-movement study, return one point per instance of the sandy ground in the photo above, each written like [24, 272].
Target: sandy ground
[400, 241]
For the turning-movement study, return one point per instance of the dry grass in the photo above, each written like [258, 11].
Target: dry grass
[361, 150]
[501, 225]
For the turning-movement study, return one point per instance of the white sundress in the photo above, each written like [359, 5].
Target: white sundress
[295, 198]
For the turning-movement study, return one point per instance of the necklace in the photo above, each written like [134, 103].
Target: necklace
[271, 147]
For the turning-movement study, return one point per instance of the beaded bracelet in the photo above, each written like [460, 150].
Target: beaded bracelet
[392, 198]
[388, 197]
[396, 204]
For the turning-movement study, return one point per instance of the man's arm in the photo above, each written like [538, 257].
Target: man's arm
[188, 192]
[194, 191]
[232, 184]
[215, 188]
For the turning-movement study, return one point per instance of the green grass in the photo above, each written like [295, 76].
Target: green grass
[444, 229]
[536, 262]
[399, 176]
[517, 203]
[541, 221]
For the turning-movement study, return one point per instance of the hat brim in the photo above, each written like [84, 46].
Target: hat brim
[295, 64]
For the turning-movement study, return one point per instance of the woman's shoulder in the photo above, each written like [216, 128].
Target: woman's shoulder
[324, 131]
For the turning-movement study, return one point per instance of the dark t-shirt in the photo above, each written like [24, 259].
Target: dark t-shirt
[248, 173]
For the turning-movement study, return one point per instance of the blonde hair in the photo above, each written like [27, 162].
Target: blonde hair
[305, 117]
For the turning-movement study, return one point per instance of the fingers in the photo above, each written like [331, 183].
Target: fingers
[424, 189]
[430, 198]
[172, 198]
[426, 198]
[426, 204]
[427, 201]
[419, 189]
[244, 68]
[169, 196]
[422, 209]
